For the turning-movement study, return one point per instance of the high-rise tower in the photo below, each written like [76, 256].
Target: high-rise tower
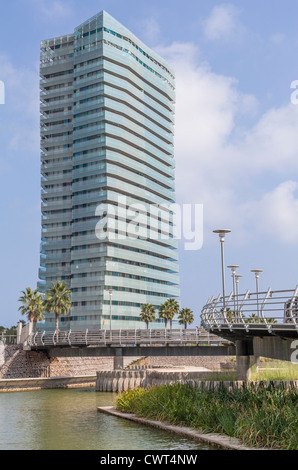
[107, 113]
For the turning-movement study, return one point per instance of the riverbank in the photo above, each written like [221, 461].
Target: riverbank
[214, 440]
[260, 415]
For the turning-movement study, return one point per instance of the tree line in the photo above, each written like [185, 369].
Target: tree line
[167, 312]
[57, 300]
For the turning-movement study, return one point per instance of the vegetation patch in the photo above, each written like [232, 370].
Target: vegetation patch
[259, 416]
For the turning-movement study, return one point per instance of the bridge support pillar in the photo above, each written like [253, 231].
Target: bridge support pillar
[118, 359]
[245, 359]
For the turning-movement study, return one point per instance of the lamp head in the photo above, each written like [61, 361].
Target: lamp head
[257, 271]
[222, 233]
[233, 267]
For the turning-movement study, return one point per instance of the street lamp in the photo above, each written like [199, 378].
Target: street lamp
[110, 292]
[233, 268]
[257, 274]
[237, 277]
[222, 234]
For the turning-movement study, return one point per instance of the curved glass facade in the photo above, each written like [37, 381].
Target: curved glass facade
[107, 118]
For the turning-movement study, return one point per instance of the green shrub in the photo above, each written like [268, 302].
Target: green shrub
[261, 416]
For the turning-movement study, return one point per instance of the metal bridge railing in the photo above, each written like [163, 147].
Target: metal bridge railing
[140, 337]
[268, 310]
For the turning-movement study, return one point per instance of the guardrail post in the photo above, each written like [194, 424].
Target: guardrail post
[68, 338]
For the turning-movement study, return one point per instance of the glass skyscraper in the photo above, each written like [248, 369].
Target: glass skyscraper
[107, 117]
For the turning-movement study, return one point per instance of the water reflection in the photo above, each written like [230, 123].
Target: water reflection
[69, 420]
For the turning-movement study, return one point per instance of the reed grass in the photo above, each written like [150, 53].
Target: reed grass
[259, 416]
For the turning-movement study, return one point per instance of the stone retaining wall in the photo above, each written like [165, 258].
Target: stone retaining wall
[17, 364]
[2, 356]
[210, 362]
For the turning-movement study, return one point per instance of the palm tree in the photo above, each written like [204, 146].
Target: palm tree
[254, 318]
[185, 317]
[163, 313]
[32, 305]
[171, 309]
[147, 314]
[57, 300]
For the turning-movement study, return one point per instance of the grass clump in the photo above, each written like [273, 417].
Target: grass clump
[259, 416]
[274, 370]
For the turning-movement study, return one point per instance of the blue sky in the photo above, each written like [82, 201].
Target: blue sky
[236, 139]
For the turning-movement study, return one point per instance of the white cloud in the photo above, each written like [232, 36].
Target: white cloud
[276, 213]
[222, 22]
[242, 175]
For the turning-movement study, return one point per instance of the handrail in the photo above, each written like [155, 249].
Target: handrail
[134, 337]
[270, 310]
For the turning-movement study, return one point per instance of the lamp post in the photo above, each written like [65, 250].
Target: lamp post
[257, 275]
[222, 234]
[110, 292]
[233, 268]
[237, 277]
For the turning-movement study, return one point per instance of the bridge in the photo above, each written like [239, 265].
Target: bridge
[247, 325]
[129, 343]
[259, 323]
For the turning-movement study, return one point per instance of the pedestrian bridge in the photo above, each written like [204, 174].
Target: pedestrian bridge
[259, 323]
[270, 313]
[130, 343]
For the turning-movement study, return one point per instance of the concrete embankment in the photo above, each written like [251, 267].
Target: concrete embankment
[214, 440]
[119, 380]
[14, 385]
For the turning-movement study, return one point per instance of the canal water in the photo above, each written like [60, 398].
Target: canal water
[68, 419]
